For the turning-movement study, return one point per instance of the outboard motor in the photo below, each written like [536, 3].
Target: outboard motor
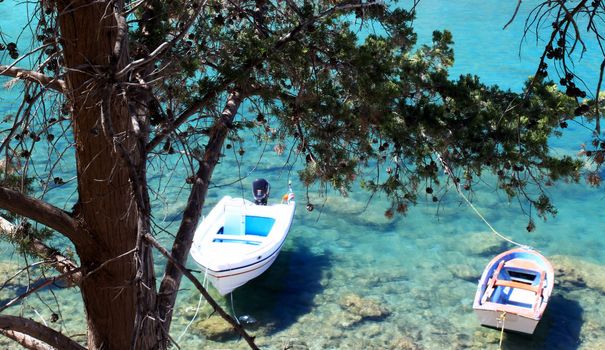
[260, 191]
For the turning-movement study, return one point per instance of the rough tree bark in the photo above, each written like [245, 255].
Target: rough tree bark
[112, 217]
[108, 207]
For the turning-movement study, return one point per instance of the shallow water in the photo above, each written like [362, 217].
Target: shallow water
[419, 272]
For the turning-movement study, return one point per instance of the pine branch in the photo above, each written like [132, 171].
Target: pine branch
[37, 77]
[40, 286]
[192, 212]
[217, 308]
[163, 47]
[50, 255]
[42, 212]
[279, 45]
[514, 15]
[26, 341]
[38, 331]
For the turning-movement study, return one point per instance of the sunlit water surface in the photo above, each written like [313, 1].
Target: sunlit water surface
[415, 275]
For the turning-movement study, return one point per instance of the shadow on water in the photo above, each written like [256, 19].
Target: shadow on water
[11, 291]
[286, 291]
[559, 328]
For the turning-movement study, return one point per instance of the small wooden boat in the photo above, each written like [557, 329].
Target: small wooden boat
[239, 239]
[514, 290]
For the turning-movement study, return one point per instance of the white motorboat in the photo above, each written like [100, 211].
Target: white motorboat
[240, 239]
[514, 290]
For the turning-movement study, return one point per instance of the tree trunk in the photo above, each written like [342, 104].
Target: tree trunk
[110, 184]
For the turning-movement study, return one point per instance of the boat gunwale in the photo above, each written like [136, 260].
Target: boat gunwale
[543, 293]
[265, 242]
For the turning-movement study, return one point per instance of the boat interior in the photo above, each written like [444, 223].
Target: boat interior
[516, 282]
[239, 227]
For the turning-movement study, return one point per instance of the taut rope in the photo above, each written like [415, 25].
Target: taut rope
[449, 172]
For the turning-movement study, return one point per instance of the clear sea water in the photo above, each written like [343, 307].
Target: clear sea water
[419, 271]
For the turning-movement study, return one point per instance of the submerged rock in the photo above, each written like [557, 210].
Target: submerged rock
[247, 320]
[404, 343]
[465, 272]
[574, 272]
[295, 344]
[593, 344]
[363, 308]
[215, 328]
[483, 337]
[483, 244]
[357, 211]
[342, 319]
[14, 280]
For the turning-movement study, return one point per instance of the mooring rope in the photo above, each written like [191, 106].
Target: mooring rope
[233, 309]
[197, 309]
[502, 318]
[449, 172]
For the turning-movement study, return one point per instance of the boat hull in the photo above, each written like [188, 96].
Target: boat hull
[511, 322]
[227, 281]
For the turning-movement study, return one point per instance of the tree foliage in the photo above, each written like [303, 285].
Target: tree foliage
[343, 86]
[568, 30]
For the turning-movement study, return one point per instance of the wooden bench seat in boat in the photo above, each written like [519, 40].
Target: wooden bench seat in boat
[519, 285]
[526, 265]
[523, 265]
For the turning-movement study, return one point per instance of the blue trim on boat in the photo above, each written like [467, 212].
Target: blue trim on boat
[228, 240]
[256, 262]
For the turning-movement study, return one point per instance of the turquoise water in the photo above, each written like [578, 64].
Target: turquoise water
[415, 275]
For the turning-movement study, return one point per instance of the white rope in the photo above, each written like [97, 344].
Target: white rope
[449, 172]
[502, 318]
[40, 316]
[488, 224]
[233, 308]
[197, 309]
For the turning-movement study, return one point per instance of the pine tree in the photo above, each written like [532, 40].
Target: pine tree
[118, 86]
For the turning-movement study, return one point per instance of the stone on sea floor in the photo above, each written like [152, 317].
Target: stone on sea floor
[363, 308]
[591, 345]
[465, 272]
[294, 344]
[215, 328]
[483, 337]
[483, 244]
[343, 319]
[356, 210]
[372, 330]
[404, 343]
[14, 283]
[8, 271]
[574, 272]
